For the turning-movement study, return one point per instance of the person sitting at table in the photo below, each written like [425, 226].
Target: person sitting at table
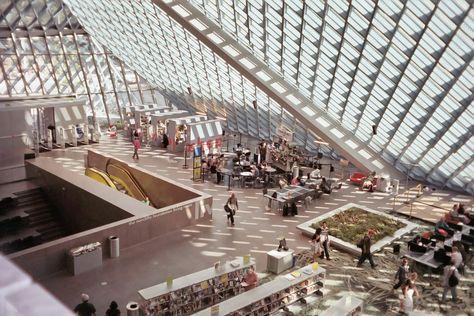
[315, 174]
[282, 183]
[254, 170]
[295, 181]
[324, 186]
[441, 224]
[369, 182]
[250, 280]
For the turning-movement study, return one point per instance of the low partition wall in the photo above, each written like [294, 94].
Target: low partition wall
[94, 212]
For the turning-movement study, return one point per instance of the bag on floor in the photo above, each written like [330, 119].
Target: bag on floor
[453, 280]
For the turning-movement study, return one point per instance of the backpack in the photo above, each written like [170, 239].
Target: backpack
[453, 280]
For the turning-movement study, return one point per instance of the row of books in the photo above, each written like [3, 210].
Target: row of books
[195, 297]
[283, 298]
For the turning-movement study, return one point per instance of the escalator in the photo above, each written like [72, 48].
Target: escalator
[100, 176]
[123, 177]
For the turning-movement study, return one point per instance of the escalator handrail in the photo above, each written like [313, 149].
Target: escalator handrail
[131, 177]
[103, 175]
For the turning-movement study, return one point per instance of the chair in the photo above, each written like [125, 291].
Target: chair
[358, 178]
[249, 181]
[235, 180]
[416, 248]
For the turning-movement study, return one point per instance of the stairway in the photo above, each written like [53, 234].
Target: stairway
[38, 224]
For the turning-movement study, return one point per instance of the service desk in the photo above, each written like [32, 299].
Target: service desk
[278, 261]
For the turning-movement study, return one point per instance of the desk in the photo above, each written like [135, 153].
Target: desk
[426, 259]
[278, 261]
[291, 193]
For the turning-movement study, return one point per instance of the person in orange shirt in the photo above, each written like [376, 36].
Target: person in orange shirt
[250, 280]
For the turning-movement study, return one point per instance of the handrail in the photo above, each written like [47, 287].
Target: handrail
[13, 136]
[93, 173]
[131, 178]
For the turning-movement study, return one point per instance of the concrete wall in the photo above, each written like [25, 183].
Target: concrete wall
[78, 208]
[143, 224]
[15, 136]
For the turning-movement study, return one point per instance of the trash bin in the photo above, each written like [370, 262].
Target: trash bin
[114, 246]
[132, 309]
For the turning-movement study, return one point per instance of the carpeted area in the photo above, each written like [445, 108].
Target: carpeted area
[374, 286]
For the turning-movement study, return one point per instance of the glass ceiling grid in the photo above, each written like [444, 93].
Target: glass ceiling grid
[365, 64]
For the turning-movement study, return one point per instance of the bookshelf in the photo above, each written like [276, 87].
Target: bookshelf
[195, 291]
[272, 296]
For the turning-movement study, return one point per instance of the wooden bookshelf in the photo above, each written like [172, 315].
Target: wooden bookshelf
[195, 291]
[272, 296]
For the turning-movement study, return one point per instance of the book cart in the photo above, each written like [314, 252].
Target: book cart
[272, 296]
[195, 291]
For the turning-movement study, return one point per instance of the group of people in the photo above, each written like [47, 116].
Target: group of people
[320, 242]
[458, 214]
[406, 281]
[88, 309]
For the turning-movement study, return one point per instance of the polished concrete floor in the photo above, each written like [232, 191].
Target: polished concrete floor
[197, 247]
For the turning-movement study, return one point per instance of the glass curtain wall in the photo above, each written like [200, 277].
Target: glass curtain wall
[44, 51]
[405, 66]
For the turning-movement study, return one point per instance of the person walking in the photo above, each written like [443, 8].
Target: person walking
[231, 208]
[316, 244]
[402, 273]
[409, 289]
[365, 244]
[85, 308]
[450, 281]
[325, 241]
[136, 146]
[113, 309]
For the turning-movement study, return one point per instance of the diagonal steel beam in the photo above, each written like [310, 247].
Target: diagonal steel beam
[355, 156]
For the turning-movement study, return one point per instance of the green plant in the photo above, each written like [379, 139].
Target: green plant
[351, 225]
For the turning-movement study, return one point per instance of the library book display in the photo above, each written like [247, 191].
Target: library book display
[270, 297]
[196, 291]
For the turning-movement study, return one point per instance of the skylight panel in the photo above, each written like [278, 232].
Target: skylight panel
[181, 11]
[201, 26]
[278, 87]
[232, 50]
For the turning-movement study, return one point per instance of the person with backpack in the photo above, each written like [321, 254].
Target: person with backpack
[364, 244]
[402, 273]
[231, 208]
[450, 281]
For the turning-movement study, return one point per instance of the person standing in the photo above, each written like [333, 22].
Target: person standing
[113, 309]
[316, 244]
[365, 244]
[325, 241]
[402, 273]
[85, 308]
[165, 141]
[450, 281]
[233, 206]
[136, 146]
[409, 289]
